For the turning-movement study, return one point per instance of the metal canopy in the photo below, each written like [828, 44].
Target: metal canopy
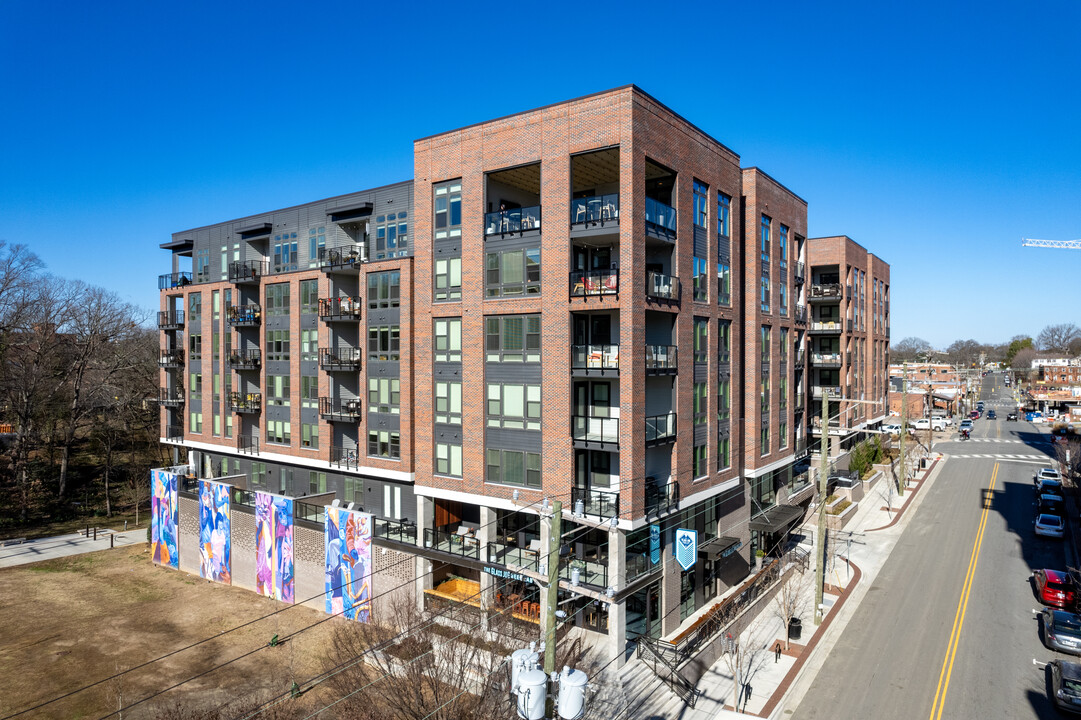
[776, 518]
[717, 547]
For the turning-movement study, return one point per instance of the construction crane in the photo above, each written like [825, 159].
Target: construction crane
[1060, 244]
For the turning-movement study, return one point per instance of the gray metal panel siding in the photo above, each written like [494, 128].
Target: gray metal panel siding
[724, 248]
[384, 316]
[701, 242]
[448, 434]
[523, 373]
[503, 439]
[701, 372]
[701, 434]
[384, 421]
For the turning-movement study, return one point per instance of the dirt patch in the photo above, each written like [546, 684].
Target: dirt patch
[73, 621]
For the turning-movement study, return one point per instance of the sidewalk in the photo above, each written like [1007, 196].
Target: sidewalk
[64, 545]
[779, 683]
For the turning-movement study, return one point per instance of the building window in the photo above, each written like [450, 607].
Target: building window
[384, 289]
[724, 208]
[195, 423]
[202, 265]
[764, 240]
[448, 209]
[782, 434]
[763, 440]
[277, 431]
[309, 435]
[354, 491]
[700, 403]
[700, 467]
[285, 252]
[783, 247]
[512, 272]
[724, 452]
[765, 293]
[317, 244]
[391, 236]
[217, 424]
[783, 299]
[701, 280]
[765, 349]
[724, 283]
[448, 340]
[317, 482]
[384, 342]
[384, 444]
[277, 387]
[258, 473]
[277, 344]
[724, 390]
[514, 467]
[783, 350]
[277, 299]
[448, 459]
[448, 279]
[514, 406]
[764, 395]
[195, 307]
[309, 391]
[782, 391]
[309, 344]
[701, 340]
[384, 395]
[448, 403]
[195, 386]
[513, 338]
[724, 341]
[216, 306]
[701, 204]
[228, 426]
[309, 297]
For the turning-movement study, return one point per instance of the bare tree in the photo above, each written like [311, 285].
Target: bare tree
[793, 599]
[1057, 338]
[745, 655]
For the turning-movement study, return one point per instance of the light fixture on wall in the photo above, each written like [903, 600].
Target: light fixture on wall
[514, 496]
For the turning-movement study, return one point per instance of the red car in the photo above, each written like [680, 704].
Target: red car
[975, 414]
[1054, 587]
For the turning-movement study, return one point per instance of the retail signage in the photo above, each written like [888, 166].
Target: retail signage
[732, 550]
[501, 573]
[686, 548]
[654, 544]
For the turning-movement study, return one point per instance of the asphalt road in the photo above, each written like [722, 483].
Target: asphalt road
[915, 648]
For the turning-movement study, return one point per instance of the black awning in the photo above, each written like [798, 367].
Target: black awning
[350, 211]
[255, 229]
[178, 246]
[719, 547]
[776, 518]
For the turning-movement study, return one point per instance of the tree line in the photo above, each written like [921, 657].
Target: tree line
[78, 390]
[1018, 352]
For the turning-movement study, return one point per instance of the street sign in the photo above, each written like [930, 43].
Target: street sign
[686, 548]
[654, 543]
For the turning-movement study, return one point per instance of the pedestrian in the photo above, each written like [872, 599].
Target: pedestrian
[746, 695]
[777, 653]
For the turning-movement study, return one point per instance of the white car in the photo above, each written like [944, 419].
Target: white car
[928, 424]
[892, 429]
[1049, 526]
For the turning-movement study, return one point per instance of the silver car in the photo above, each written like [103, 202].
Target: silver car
[1061, 630]
[1049, 526]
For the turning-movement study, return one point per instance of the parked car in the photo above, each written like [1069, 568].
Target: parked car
[892, 428]
[991, 415]
[1061, 630]
[928, 424]
[1055, 588]
[1011, 417]
[1047, 480]
[1066, 685]
[1050, 526]
[1051, 504]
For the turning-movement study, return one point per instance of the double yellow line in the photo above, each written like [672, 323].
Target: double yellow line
[962, 605]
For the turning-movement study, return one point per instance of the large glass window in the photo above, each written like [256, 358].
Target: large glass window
[391, 236]
[309, 344]
[700, 403]
[277, 299]
[384, 395]
[384, 444]
[724, 452]
[701, 340]
[277, 387]
[448, 403]
[448, 340]
[195, 346]
[195, 307]
[278, 431]
[317, 243]
[701, 279]
[724, 390]
[512, 338]
[384, 342]
[448, 209]
[765, 344]
[701, 204]
[285, 252]
[724, 341]
[514, 406]
[384, 289]
[782, 300]
[514, 467]
[765, 293]
[277, 344]
[195, 386]
[512, 272]
[309, 391]
[724, 283]
[724, 208]
[701, 469]
[448, 459]
[448, 279]
[764, 232]
[783, 246]
[309, 297]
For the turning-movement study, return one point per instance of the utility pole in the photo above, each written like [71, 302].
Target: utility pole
[823, 472]
[555, 538]
[904, 427]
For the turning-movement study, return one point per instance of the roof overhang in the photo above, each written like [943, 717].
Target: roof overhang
[776, 518]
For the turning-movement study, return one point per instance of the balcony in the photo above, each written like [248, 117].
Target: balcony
[830, 391]
[339, 359]
[509, 222]
[826, 360]
[660, 429]
[345, 457]
[248, 444]
[588, 566]
[247, 271]
[596, 211]
[590, 283]
[170, 281]
[595, 359]
[660, 220]
[250, 315]
[799, 274]
[827, 292]
[799, 359]
[339, 410]
[513, 555]
[171, 358]
[661, 359]
[591, 501]
[171, 397]
[174, 433]
[345, 308]
[826, 327]
[402, 531]
[170, 319]
[662, 288]
[341, 259]
[246, 402]
[801, 314]
[245, 359]
[590, 431]
[453, 543]
[661, 499]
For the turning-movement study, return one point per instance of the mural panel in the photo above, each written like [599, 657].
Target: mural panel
[215, 544]
[274, 546]
[164, 515]
[349, 563]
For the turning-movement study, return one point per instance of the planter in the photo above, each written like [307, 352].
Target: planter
[837, 522]
[795, 628]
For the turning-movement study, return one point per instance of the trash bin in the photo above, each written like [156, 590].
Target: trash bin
[795, 628]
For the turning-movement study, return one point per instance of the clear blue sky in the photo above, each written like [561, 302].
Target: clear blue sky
[935, 134]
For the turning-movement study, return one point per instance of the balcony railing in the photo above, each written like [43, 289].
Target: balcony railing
[341, 258]
[799, 274]
[336, 359]
[170, 319]
[660, 217]
[174, 433]
[248, 444]
[661, 498]
[509, 553]
[597, 209]
[345, 457]
[246, 271]
[832, 291]
[832, 391]
[586, 283]
[345, 410]
[586, 567]
[170, 281]
[402, 531]
[171, 397]
[171, 358]
[801, 314]
[661, 428]
[665, 288]
[250, 315]
[661, 358]
[595, 428]
[600, 503]
[831, 326]
[246, 402]
[245, 359]
[799, 358]
[595, 357]
[465, 546]
[340, 308]
[826, 358]
[516, 220]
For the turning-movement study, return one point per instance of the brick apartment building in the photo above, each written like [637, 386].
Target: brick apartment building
[589, 303]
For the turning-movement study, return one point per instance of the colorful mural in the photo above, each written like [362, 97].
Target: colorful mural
[274, 546]
[349, 563]
[214, 532]
[164, 515]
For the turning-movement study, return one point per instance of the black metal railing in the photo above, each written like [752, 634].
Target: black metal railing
[246, 359]
[660, 217]
[248, 444]
[170, 319]
[661, 498]
[402, 531]
[170, 281]
[308, 511]
[586, 566]
[595, 357]
[515, 220]
[340, 308]
[171, 397]
[466, 546]
[171, 358]
[662, 287]
[245, 402]
[337, 259]
[597, 209]
[345, 358]
[801, 314]
[174, 432]
[798, 273]
[244, 497]
[661, 428]
[510, 553]
[249, 315]
[595, 428]
[662, 358]
[348, 410]
[587, 283]
[345, 457]
[601, 503]
[243, 271]
[833, 291]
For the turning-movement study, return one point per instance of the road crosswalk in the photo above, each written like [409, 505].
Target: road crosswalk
[1006, 457]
